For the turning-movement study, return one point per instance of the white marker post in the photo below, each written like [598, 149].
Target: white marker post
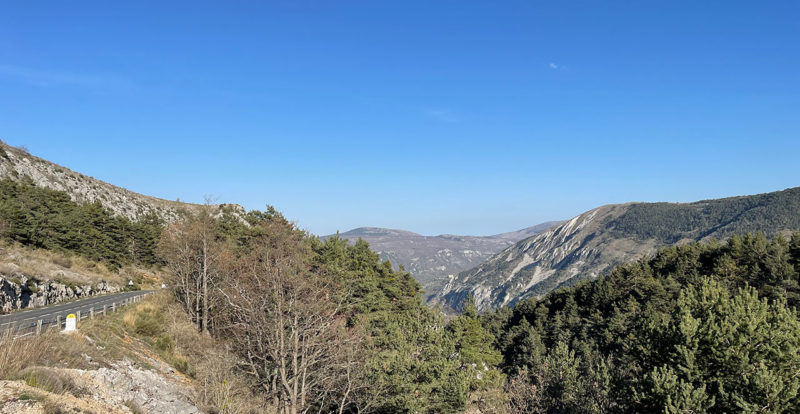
[71, 324]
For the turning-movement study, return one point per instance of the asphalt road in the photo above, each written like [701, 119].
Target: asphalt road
[26, 320]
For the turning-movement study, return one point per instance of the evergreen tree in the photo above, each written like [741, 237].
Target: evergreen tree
[48, 219]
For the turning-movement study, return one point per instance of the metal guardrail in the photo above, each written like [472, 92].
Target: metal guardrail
[40, 326]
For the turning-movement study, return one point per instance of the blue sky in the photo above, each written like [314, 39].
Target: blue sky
[433, 116]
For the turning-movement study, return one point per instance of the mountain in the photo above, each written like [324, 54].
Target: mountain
[434, 259]
[593, 242]
[17, 164]
[515, 236]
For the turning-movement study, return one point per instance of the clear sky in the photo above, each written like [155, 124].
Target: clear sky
[464, 117]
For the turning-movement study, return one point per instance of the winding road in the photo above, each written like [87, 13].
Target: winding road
[27, 320]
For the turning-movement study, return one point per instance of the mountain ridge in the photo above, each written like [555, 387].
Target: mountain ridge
[18, 164]
[432, 260]
[594, 241]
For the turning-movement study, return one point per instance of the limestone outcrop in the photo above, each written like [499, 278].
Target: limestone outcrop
[22, 292]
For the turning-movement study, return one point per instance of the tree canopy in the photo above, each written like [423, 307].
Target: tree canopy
[696, 328]
[48, 219]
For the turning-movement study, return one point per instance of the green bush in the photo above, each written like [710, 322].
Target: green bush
[182, 365]
[149, 323]
[165, 343]
[31, 285]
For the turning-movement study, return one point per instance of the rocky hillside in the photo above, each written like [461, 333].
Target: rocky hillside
[593, 242]
[17, 164]
[144, 358]
[433, 260]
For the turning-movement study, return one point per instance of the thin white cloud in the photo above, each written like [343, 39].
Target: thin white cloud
[441, 114]
[554, 65]
[44, 78]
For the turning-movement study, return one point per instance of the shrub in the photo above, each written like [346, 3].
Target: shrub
[165, 344]
[31, 284]
[145, 319]
[150, 324]
[182, 365]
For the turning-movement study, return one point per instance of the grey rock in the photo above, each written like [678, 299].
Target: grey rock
[31, 293]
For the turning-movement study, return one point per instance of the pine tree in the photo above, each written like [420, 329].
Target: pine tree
[743, 352]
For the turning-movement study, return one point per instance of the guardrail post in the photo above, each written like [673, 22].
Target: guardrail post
[58, 321]
[91, 313]
[78, 314]
[114, 307]
[104, 310]
[39, 327]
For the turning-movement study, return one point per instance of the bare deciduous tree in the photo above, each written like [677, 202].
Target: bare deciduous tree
[524, 396]
[195, 259]
[289, 328]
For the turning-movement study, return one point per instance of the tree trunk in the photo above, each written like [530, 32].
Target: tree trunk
[205, 284]
[197, 304]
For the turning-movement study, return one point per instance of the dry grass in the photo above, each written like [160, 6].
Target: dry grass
[220, 387]
[156, 333]
[17, 260]
[50, 380]
[51, 349]
[135, 314]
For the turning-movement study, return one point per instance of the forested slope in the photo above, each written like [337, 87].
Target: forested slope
[593, 242]
[709, 327]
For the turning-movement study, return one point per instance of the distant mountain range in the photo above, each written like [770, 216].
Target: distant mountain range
[433, 260]
[593, 242]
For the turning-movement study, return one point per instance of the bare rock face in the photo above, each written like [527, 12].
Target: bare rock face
[121, 387]
[21, 292]
[544, 261]
[152, 392]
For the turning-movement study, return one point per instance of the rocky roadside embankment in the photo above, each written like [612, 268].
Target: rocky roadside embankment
[122, 387]
[22, 292]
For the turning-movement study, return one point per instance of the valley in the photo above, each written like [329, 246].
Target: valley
[433, 260]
